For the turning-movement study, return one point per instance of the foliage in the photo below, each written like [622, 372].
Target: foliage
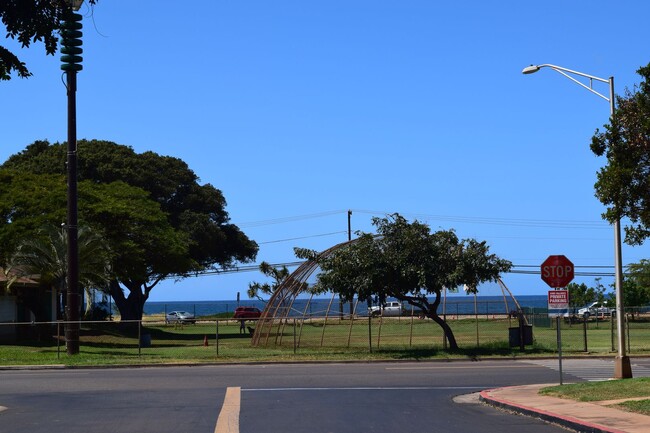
[155, 216]
[278, 275]
[636, 288]
[581, 295]
[407, 262]
[623, 185]
[44, 253]
[30, 21]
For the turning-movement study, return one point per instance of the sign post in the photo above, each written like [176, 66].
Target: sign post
[558, 271]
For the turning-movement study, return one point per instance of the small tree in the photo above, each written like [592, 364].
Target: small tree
[409, 263]
[581, 295]
[636, 286]
[623, 185]
[278, 275]
[46, 256]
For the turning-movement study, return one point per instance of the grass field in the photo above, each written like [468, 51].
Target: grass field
[608, 390]
[312, 339]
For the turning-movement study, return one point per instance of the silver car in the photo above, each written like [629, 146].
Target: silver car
[180, 317]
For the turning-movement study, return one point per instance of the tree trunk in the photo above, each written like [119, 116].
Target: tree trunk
[131, 306]
[446, 329]
[430, 310]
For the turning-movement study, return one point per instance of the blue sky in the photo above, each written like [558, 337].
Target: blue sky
[301, 110]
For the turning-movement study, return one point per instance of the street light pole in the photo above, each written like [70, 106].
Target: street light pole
[622, 368]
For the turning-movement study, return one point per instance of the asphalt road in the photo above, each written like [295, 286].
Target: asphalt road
[314, 398]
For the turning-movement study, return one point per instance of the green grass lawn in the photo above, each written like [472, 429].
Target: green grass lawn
[110, 343]
[608, 390]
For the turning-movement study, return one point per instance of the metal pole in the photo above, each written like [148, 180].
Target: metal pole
[72, 304]
[559, 345]
[622, 367]
[217, 337]
[584, 332]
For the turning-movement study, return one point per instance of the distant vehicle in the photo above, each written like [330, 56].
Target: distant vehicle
[180, 317]
[392, 308]
[247, 313]
[596, 309]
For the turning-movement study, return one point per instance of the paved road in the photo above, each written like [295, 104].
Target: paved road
[314, 398]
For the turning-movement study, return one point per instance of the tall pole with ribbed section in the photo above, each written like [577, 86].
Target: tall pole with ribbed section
[71, 64]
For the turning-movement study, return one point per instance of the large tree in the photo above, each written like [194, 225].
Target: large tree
[623, 185]
[30, 21]
[157, 219]
[408, 262]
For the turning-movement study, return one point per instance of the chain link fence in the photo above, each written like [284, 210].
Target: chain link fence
[231, 338]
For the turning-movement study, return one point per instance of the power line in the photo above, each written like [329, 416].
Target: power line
[302, 237]
[518, 222]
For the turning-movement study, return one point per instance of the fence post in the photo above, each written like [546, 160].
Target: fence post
[411, 329]
[58, 339]
[584, 332]
[216, 336]
[294, 336]
[370, 332]
[627, 322]
[140, 338]
[611, 322]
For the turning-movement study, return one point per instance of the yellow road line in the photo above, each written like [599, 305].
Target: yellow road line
[228, 421]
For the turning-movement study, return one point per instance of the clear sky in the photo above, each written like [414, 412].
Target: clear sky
[301, 110]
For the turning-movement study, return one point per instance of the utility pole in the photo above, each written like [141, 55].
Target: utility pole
[71, 64]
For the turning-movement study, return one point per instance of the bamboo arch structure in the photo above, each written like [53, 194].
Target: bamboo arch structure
[280, 308]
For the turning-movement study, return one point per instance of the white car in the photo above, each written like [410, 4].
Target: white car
[180, 317]
[392, 308]
[596, 309]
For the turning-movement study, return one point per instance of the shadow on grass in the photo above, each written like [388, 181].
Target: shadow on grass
[474, 353]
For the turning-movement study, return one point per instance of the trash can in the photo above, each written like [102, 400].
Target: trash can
[514, 333]
[145, 340]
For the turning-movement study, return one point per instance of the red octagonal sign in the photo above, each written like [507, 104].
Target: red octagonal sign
[557, 271]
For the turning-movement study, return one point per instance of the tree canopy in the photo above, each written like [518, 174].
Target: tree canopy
[636, 291]
[155, 216]
[408, 262]
[30, 21]
[581, 295]
[623, 185]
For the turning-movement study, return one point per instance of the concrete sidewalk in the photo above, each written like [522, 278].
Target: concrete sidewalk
[583, 417]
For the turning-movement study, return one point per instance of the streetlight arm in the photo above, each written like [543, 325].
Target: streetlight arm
[560, 71]
[568, 73]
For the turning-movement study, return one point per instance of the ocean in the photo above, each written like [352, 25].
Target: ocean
[318, 307]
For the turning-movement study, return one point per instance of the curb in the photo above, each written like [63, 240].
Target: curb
[564, 421]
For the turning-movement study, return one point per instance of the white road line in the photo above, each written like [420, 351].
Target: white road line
[228, 421]
[588, 369]
[364, 388]
[457, 367]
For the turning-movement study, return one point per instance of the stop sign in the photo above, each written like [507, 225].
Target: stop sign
[557, 271]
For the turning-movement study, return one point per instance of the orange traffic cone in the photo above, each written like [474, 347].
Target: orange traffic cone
[205, 341]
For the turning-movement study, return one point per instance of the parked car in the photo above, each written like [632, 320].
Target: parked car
[180, 317]
[596, 309]
[247, 313]
[392, 308]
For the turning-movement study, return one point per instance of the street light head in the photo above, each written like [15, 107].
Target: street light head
[530, 69]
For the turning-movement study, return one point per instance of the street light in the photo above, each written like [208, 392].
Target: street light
[622, 368]
[71, 64]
